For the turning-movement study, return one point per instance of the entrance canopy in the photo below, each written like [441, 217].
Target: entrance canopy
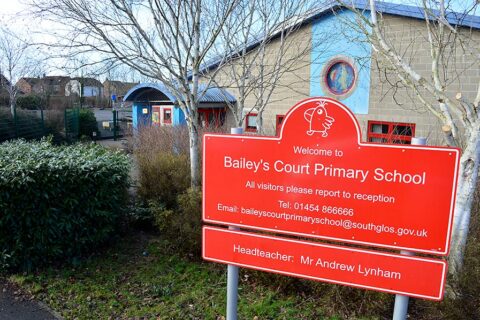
[158, 92]
[154, 104]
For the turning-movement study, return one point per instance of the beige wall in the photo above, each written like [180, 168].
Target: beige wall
[292, 86]
[408, 36]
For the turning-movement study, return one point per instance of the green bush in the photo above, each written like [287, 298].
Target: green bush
[87, 123]
[57, 203]
[163, 176]
[31, 102]
[164, 186]
[182, 225]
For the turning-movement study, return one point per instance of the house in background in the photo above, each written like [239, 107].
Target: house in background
[116, 89]
[154, 104]
[29, 85]
[91, 87]
[46, 86]
[4, 81]
[51, 88]
[4, 96]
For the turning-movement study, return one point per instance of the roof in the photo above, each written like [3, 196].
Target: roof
[4, 81]
[118, 87]
[454, 18]
[211, 95]
[31, 81]
[119, 83]
[89, 82]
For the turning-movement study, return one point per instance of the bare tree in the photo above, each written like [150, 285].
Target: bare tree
[258, 47]
[14, 63]
[163, 40]
[436, 91]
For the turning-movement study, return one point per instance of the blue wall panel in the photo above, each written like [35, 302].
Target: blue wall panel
[139, 118]
[332, 36]
[178, 117]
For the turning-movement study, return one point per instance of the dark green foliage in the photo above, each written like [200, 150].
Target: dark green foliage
[57, 203]
[31, 102]
[87, 123]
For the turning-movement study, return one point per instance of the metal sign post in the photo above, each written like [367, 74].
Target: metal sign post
[400, 309]
[232, 271]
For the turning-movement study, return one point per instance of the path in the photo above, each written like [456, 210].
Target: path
[13, 307]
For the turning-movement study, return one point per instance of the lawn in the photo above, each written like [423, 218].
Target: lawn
[140, 277]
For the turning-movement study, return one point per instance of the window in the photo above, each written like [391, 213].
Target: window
[167, 115]
[56, 89]
[251, 122]
[339, 77]
[156, 115]
[212, 117]
[390, 132]
[278, 123]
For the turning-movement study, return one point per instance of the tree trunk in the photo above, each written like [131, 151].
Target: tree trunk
[12, 104]
[194, 155]
[467, 182]
[260, 122]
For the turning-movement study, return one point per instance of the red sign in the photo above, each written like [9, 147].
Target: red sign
[317, 179]
[392, 273]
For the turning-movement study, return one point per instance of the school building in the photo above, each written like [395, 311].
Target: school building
[339, 63]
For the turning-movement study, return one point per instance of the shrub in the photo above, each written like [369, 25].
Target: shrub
[164, 185]
[87, 123]
[31, 102]
[57, 203]
[162, 177]
[182, 225]
[163, 163]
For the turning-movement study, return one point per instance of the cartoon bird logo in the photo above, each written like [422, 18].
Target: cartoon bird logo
[319, 120]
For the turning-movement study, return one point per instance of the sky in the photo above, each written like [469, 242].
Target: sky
[14, 13]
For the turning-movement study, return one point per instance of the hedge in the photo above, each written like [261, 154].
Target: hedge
[31, 102]
[58, 202]
[87, 123]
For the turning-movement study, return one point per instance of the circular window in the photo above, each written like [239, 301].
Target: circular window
[339, 77]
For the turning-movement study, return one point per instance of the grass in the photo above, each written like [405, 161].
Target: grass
[141, 277]
[144, 277]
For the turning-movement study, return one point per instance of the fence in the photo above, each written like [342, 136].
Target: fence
[72, 124]
[34, 124]
[64, 126]
[113, 124]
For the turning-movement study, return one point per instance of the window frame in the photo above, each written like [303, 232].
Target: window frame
[247, 127]
[169, 121]
[279, 118]
[390, 137]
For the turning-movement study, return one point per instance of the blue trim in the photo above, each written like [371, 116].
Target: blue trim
[210, 95]
[158, 86]
[134, 116]
[353, 46]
